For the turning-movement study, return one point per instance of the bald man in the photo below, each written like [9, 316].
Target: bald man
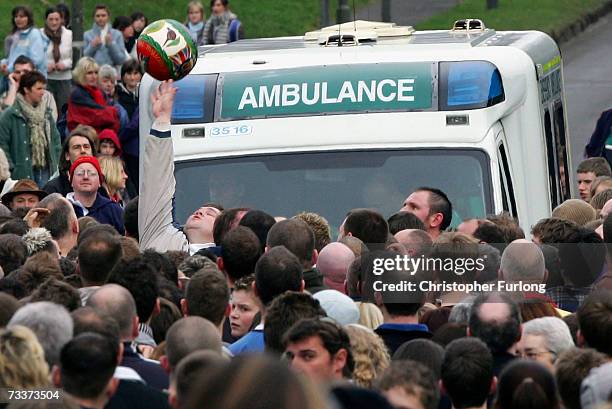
[523, 261]
[116, 302]
[417, 242]
[333, 262]
[188, 335]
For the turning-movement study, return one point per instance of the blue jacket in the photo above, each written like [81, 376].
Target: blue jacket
[129, 136]
[112, 54]
[104, 211]
[33, 45]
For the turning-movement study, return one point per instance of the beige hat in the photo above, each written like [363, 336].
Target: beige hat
[575, 210]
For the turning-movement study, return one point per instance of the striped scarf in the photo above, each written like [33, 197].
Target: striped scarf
[40, 130]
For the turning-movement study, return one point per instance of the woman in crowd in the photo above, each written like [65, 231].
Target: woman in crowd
[195, 21]
[218, 27]
[22, 359]
[370, 354]
[25, 40]
[87, 104]
[115, 178]
[65, 13]
[127, 95]
[103, 43]
[139, 22]
[526, 384]
[59, 57]
[123, 24]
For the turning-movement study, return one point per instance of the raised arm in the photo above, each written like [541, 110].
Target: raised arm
[155, 218]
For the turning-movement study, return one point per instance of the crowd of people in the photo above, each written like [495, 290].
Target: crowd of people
[103, 297]
[111, 303]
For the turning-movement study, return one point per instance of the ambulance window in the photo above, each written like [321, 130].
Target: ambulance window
[561, 147]
[552, 160]
[469, 85]
[508, 178]
[504, 190]
[195, 99]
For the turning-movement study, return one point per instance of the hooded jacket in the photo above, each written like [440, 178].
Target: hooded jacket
[103, 210]
[108, 135]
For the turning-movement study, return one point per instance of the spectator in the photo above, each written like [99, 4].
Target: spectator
[320, 350]
[449, 332]
[366, 225]
[408, 384]
[103, 43]
[127, 89]
[86, 177]
[596, 388]
[574, 210]
[250, 381]
[207, 296]
[284, 311]
[297, 237]
[116, 302]
[107, 81]
[526, 384]
[59, 57]
[13, 252]
[369, 353]
[25, 39]
[553, 231]
[495, 319]
[338, 306]
[50, 322]
[109, 144]
[115, 179]
[58, 292]
[600, 184]
[599, 200]
[186, 336]
[404, 221]
[77, 144]
[467, 373]
[595, 322]
[319, 226]
[260, 223]
[130, 219]
[333, 262]
[22, 359]
[572, 367]
[139, 22]
[86, 369]
[399, 309]
[187, 374]
[223, 26]
[423, 351]
[139, 277]
[277, 271]
[432, 207]
[123, 24]
[87, 104]
[245, 307]
[544, 340]
[23, 64]
[509, 227]
[97, 256]
[587, 171]
[25, 193]
[37, 159]
[417, 242]
[196, 17]
[61, 222]
[240, 250]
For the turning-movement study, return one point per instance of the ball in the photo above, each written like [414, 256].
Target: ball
[166, 50]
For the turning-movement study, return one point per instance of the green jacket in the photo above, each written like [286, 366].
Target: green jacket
[15, 142]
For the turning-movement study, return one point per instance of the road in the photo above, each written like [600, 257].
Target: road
[587, 65]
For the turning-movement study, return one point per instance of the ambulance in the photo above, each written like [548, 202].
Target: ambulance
[359, 115]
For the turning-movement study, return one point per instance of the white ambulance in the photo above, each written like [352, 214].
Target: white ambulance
[359, 115]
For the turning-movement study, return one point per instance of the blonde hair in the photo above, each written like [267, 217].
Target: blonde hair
[22, 359]
[112, 169]
[370, 354]
[370, 315]
[200, 7]
[5, 170]
[83, 65]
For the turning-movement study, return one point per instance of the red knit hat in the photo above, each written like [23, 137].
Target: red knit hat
[87, 159]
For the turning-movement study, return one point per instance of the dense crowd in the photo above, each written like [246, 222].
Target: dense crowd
[103, 297]
[118, 307]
